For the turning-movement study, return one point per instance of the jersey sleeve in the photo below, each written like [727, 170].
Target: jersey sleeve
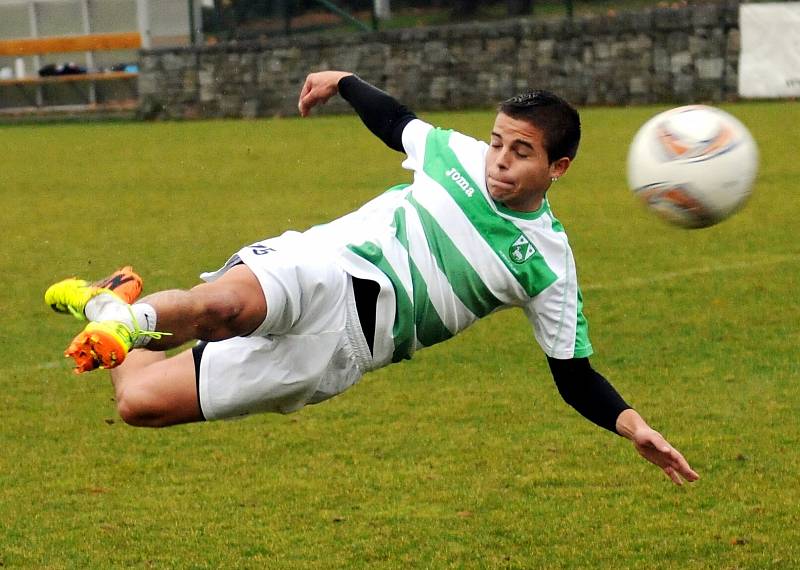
[559, 325]
[424, 143]
[415, 135]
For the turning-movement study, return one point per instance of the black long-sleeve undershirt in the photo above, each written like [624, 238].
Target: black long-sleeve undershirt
[382, 114]
[586, 390]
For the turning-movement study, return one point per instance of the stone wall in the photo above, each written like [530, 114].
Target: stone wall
[679, 54]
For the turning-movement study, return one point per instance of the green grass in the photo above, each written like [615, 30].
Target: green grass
[464, 457]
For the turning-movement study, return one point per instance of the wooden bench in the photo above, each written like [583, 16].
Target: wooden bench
[70, 44]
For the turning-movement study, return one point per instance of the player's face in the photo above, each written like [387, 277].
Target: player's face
[518, 172]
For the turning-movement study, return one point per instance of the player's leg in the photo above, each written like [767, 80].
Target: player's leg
[254, 374]
[153, 390]
[234, 305]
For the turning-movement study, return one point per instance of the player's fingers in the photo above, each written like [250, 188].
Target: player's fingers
[306, 87]
[302, 103]
[307, 103]
[678, 463]
[312, 99]
[672, 474]
[685, 470]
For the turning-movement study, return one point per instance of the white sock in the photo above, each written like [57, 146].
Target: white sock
[107, 307]
[145, 316]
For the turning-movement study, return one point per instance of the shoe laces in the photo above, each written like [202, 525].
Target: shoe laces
[139, 332]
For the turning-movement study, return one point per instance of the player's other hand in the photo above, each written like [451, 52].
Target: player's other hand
[652, 446]
[318, 88]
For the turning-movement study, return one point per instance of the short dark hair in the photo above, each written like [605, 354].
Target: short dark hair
[557, 119]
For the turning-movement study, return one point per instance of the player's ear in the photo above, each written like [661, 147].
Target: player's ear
[559, 167]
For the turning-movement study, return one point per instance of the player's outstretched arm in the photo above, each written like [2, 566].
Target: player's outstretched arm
[381, 113]
[652, 446]
[586, 390]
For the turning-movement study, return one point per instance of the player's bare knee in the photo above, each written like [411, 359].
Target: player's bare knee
[224, 306]
[137, 407]
[225, 311]
[218, 309]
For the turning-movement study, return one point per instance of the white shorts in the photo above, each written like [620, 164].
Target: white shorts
[309, 348]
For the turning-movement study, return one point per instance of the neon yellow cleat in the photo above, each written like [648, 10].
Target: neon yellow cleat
[102, 344]
[71, 295]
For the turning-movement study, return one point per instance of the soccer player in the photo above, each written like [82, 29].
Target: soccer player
[299, 318]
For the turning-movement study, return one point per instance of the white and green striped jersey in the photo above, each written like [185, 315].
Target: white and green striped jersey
[445, 254]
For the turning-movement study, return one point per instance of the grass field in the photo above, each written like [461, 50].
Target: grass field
[465, 457]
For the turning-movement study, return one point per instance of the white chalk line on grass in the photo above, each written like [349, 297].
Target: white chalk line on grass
[630, 283]
[635, 282]
[50, 365]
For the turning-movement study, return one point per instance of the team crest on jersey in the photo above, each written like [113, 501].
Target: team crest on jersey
[521, 250]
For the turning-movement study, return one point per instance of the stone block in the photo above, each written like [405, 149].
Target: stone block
[230, 105]
[501, 47]
[640, 42]
[602, 49]
[545, 49]
[250, 109]
[435, 52]
[683, 84]
[638, 85]
[149, 63]
[734, 41]
[661, 60]
[699, 43]
[679, 62]
[173, 62]
[148, 84]
[709, 68]
[677, 41]
[190, 82]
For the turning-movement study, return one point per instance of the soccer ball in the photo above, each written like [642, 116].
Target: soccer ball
[693, 166]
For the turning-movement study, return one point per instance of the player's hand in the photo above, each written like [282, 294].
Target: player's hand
[318, 88]
[652, 446]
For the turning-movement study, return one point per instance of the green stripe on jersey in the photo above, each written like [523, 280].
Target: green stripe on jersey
[583, 346]
[464, 280]
[403, 328]
[508, 242]
[430, 328]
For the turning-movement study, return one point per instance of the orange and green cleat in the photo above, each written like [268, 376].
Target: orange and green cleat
[71, 295]
[103, 344]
